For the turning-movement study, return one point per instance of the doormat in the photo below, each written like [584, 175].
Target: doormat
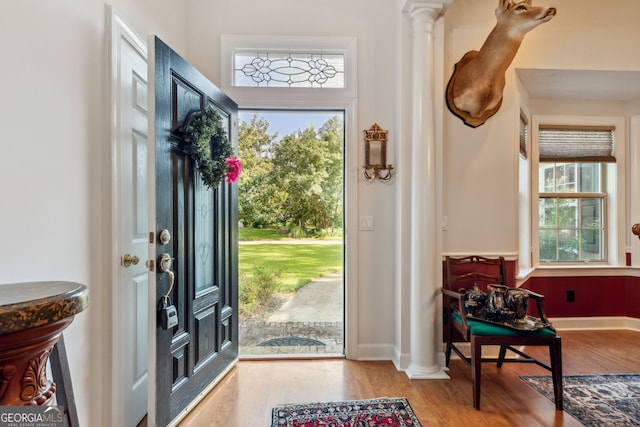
[605, 400]
[291, 342]
[385, 412]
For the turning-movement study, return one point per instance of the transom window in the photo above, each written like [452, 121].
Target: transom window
[275, 68]
[288, 69]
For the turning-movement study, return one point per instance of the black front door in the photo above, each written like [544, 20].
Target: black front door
[202, 225]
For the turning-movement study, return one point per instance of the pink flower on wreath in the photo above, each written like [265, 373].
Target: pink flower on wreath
[234, 167]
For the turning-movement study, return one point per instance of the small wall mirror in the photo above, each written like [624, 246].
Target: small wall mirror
[375, 154]
[375, 148]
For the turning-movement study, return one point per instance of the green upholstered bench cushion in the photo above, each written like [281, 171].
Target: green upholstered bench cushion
[479, 328]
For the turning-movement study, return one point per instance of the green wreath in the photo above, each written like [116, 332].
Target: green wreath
[206, 142]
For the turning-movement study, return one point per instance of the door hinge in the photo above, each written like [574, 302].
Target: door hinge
[151, 264]
[152, 238]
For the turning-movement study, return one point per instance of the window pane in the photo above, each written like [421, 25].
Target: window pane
[565, 178]
[568, 245]
[571, 229]
[591, 213]
[567, 213]
[546, 178]
[589, 177]
[548, 210]
[591, 246]
[548, 245]
[592, 230]
[570, 178]
[204, 220]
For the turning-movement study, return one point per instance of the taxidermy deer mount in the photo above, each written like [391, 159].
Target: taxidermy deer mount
[474, 92]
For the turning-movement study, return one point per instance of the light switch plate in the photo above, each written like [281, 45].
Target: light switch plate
[366, 223]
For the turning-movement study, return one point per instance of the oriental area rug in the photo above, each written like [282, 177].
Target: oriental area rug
[605, 400]
[384, 412]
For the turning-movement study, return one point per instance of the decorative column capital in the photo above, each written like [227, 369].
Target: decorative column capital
[432, 7]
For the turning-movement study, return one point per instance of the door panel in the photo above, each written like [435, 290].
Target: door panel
[132, 192]
[203, 226]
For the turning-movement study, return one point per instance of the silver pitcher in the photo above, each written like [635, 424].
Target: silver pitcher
[497, 309]
[496, 300]
[518, 301]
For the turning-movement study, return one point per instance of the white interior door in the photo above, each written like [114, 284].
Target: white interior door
[130, 223]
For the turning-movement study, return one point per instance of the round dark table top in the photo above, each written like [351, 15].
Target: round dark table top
[32, 304]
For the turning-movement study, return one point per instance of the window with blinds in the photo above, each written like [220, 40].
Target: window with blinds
[524, 135]
[572, 195]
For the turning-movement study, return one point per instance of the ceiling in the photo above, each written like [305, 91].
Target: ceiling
[581, 84]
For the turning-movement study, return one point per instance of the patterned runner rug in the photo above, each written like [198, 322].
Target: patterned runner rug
[385, 412]
[596, 400]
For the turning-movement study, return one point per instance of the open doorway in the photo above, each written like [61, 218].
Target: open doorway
[291, 243]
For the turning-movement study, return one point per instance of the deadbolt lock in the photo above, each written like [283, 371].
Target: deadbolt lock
[164, 237]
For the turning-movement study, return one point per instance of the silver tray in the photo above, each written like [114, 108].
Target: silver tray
[529, 323]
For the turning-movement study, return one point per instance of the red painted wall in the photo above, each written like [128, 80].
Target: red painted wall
[594, 295]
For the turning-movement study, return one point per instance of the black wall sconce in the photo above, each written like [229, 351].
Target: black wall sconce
[375, 154]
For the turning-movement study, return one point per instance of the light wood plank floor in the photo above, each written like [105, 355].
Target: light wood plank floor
[245, 397]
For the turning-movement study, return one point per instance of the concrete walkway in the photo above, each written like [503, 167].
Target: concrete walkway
[321, 300]
[315, 313]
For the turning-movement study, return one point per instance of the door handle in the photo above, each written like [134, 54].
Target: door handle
[164, 264]
[128, 260]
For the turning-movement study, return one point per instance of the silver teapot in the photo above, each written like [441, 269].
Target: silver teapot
[475, 300]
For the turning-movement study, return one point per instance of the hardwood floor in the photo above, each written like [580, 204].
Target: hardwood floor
[246, 396]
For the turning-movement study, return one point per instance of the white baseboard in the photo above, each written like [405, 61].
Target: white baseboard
[376, 352]
[402, 361]
[595, 323]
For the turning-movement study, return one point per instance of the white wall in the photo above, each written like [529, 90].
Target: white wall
[373, 23]
[54, 174]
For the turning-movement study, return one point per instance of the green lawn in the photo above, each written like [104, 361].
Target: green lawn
[245, 234]
[297, 264]
[252, 234]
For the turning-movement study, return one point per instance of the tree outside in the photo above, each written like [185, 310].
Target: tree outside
[293, 183]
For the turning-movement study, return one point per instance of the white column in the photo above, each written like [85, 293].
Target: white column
[425, 258]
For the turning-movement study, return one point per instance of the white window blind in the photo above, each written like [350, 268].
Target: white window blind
[576, 144]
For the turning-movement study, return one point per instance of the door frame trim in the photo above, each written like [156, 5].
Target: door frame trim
[119, 30]
[351, 174]
[313, 98]
[151, 151]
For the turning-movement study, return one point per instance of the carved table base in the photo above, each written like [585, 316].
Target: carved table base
[23, 361]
